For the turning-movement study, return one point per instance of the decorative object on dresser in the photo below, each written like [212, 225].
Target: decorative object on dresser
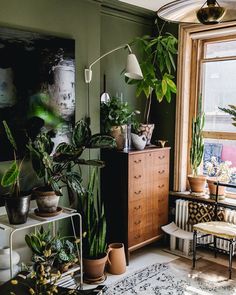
[138, 141]
[135, 187]
[197, 182]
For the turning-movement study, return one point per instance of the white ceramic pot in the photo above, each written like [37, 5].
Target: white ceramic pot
[5, 275]
[5, 258]
[139, 142]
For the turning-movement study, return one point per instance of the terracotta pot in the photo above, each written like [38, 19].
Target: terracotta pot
[17, 208]
[118, 133]
[47, 200]
[94, 268]
[212, 189]
[116, 262]
[147, 130]
[197, 183]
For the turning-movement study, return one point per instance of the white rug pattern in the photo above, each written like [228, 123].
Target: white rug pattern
[161, 279]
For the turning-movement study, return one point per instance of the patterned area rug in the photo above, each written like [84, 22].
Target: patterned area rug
[162, 279]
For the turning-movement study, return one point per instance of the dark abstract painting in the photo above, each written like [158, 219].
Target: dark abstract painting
[37, 86]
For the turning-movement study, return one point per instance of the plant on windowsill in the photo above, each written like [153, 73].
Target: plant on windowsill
[218, 171]
[115, 117]
[157, 63]
[57, 169]
[197, 181]
[16, 201]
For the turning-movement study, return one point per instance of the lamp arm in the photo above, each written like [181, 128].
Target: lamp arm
[113, 50]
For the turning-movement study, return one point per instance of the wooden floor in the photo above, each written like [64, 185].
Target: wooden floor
[207, 267]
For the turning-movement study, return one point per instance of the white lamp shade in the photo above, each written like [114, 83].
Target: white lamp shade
[133, 70]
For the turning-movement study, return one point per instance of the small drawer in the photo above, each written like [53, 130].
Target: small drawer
[161, 157]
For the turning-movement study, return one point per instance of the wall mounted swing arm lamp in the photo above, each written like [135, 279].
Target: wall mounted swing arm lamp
[133, 70]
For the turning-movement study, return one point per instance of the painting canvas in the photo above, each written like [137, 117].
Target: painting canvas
[37, 86]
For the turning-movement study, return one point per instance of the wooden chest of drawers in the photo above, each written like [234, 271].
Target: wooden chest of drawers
[135, 188]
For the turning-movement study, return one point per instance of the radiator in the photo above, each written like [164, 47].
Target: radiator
[181, 220]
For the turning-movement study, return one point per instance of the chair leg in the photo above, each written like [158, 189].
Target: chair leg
[230, 257]
[194, 247]
[215, 249]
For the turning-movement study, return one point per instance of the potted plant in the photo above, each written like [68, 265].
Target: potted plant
[218, 171]
[157, 63]
[55, 251]
[94, 242]
[115, 116]
[197, 181]
[16, 202]
[57, 170]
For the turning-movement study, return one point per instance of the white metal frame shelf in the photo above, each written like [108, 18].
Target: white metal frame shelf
[34, 221]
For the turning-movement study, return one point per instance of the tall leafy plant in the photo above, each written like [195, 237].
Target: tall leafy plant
[92, 209]
[158, 65]
[11, 178]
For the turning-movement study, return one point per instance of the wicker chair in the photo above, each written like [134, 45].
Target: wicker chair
[218, 229]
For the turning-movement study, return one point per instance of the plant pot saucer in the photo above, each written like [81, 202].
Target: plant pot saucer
[95, 281]
[48, 214]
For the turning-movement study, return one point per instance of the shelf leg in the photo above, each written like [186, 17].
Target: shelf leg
[11, 244]
[79, 251]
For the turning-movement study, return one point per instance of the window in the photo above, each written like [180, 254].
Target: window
[218, 89]
[207, 66]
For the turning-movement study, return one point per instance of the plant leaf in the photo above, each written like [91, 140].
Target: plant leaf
[9, 135]
[11, 175]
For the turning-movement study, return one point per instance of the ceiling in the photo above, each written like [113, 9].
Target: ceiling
[148, 4]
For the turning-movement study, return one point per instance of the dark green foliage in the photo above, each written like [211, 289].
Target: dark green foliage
[116, 113]
[94, 221]
[231, 111]
[11, 177]
[157, 63]
[58, 169]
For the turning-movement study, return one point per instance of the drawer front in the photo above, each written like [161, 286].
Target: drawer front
[139, 236]
[161, 172]
[160, 157]
[137, 168]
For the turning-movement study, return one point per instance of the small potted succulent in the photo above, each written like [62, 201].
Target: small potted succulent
[218, 171]
[115, 116]
[16, 202]
[197, 181]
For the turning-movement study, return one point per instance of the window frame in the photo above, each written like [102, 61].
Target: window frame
[192, 38]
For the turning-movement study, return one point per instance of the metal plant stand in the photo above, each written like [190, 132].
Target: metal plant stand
[34, 221]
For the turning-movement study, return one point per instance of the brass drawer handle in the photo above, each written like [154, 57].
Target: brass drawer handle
[161, 200]
[161, 185]
[137, 236]
[137, 176]
[137, 161]
[137, 222]
[161, 157]
[160, 214]
[138, 193]
[137, 208]
[161, 171]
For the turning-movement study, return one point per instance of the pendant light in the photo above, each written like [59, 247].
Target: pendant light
[199, 11]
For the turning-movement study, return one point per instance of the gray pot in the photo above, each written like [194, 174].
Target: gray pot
[47, 201]
[139, 142]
